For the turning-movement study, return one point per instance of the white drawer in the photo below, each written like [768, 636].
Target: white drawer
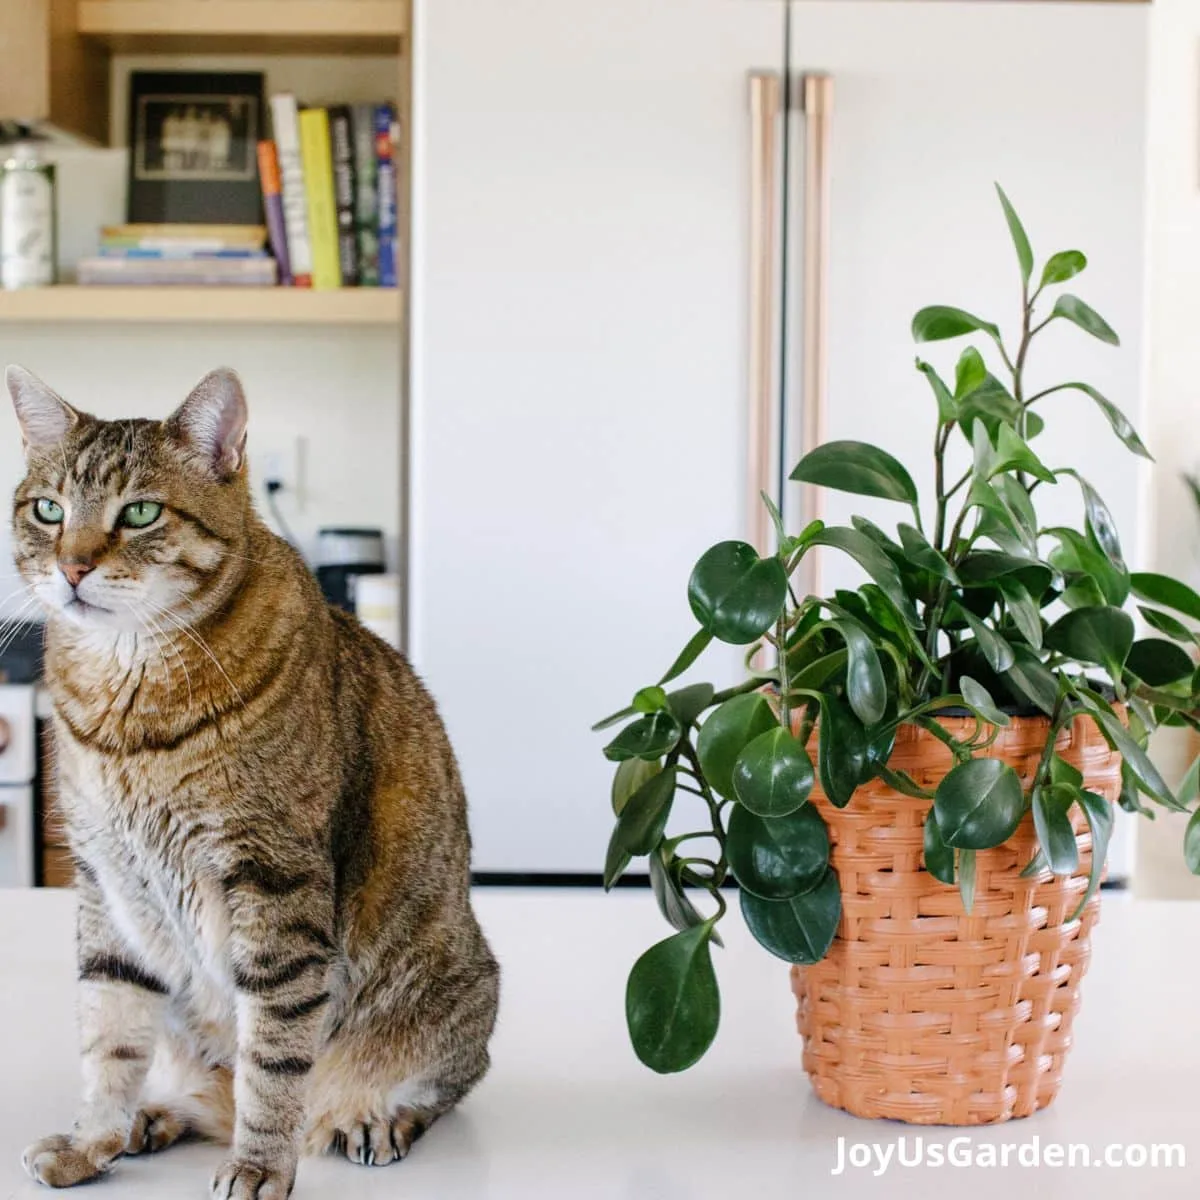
[19, 756]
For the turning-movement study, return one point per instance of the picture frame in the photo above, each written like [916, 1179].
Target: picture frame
[193, 140]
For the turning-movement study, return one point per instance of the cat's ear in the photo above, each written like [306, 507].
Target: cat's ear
[45, 417]
[211, 422]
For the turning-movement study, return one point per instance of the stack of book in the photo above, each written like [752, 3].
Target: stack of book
[329, 191]
[187, 255]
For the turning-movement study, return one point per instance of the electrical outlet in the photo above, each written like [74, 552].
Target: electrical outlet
[281, 461]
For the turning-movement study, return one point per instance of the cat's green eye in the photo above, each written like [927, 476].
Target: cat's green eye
[140, 513]
[49, 512]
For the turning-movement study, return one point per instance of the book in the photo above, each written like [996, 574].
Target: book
[285, 121]
[366, 206]
[385, 159]
[341, 141]
[268, 177]
[210, 236]
[316, 155]
[196, 272]
[179, 253]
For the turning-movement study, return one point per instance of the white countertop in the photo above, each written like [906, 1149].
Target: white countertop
[568, 1113]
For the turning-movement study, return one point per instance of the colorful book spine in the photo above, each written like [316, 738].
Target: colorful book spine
[268, 175]
[385, 159]
[342, 145]
[285, 119]
[317, 159]
[366, 196]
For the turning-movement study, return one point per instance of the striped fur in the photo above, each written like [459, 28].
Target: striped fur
[275, 936]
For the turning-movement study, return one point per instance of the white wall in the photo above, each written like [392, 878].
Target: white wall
[1173, 408]
[336, 389]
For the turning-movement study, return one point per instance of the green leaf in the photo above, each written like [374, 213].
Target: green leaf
[939, 322]
[1051, 819]
[614, 719]
[673, 903]
[1062, 771]
[800, 929]
[865, 686]
[630, 775]
[1012, 453]
[980, 700]
[1191, 843]
[1099, 815]
[998, 652]
[947, 410]
[979, 804]
[1128, 797]
[672, 1005]
[842, 751]
[817, 673]
[1167, 624]
[1030, 677]
[874, 561]
[726, 732]
[649, 737]
[992, 405]
[649, 700]
[1133, 756]
[1019, 236]
[1165, 591]
[776, 516]
[1086, 317]
[1078, 554]
[1021, 607]
[1101, 635]
[966, 879]
[1064, 265]
[777, 857]
[773, 775]
[736, 595]
[856, 467]
[644, 816]
[921, 554]
[1188, 790]
[688, 655]
[1120, 423]
[1159, 662]
[687, 703]
[1103, 527]
[980, 568]
[616, 860]
[939, 858]
[1012, 525]
[970, 372]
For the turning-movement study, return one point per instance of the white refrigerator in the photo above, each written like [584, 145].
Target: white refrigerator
[638, 289]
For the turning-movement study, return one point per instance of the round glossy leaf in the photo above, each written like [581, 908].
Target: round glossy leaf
[1064, 265]
[649, 737]
[777, 857]
[857, 467]
[736, 595]
[630, 776]
[726, 732]
[689, 702]
[1170, 593]
[939, 858]
[842, 751]
[865, 686]
[672, 1005]
[1158, 662]
[1052, 820]
[773, 775]
[800, 929]
[1086, 317]
[979, 804]
[644, 817]
[1101, 635]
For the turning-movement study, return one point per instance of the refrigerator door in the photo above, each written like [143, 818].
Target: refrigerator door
[923, 124]
[579, 386]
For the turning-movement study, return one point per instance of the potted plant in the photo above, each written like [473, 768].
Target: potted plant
[915, 793]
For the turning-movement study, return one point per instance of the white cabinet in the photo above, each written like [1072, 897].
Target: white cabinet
[579, 333]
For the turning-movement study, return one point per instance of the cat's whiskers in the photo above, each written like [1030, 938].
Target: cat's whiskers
[188, 631]
[155, 644]
[16, 617]
[171, 645]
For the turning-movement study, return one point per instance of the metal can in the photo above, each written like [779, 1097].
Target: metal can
[27, 224]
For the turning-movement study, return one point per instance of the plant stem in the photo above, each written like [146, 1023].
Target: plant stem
[785, 718]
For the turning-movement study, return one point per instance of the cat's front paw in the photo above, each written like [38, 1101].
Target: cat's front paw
[239, 1179]
[63, 1161]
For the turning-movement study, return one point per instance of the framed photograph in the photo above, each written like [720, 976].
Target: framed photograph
[193, 141]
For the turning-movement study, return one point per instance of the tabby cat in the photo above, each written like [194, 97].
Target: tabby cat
[275, 937]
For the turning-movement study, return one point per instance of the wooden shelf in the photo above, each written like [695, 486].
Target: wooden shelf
[203, 305]
[246, 26]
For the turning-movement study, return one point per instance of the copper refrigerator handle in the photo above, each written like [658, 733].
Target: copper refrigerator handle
[766, 91]
[817, 101]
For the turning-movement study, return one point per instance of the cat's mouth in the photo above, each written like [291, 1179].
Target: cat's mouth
[82, 607]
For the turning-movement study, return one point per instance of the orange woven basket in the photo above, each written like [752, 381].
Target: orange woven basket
[920, 1012]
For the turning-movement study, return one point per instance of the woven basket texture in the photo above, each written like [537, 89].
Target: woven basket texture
[920, 1012]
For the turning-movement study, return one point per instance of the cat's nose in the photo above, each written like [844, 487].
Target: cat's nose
[75, 571]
